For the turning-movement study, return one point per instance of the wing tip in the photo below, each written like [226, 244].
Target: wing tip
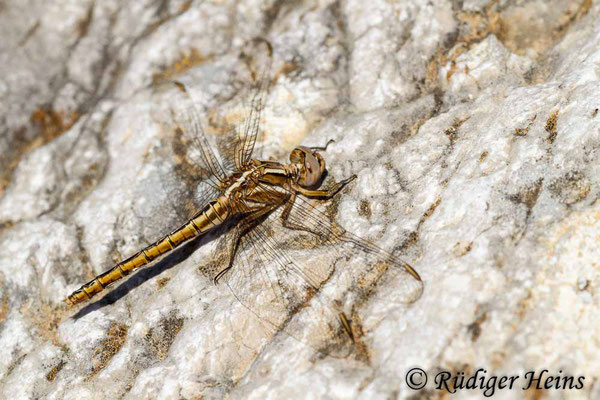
[412, 272]
[180, 86]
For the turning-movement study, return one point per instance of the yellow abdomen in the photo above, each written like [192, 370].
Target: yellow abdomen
[214, 214]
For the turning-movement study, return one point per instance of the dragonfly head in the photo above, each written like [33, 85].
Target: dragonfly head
[310, 164]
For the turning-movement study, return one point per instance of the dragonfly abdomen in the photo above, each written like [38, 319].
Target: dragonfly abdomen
[214, 214]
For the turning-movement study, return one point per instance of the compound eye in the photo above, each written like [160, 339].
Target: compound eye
[297, 156]
[313, 169]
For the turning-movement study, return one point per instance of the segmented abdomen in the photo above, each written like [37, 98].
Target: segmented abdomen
[212, 215]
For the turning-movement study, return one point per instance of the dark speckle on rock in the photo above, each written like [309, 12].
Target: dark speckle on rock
[570, 188]
[432, 104]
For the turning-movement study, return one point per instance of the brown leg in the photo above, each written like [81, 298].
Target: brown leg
[286, 213]
[286, 222]
[240, 230]
[325, 194]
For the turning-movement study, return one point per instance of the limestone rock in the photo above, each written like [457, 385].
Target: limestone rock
[474, 132]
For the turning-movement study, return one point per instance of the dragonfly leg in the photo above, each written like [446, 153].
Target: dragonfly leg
[290, 224]
[326, 194]
[240, 230]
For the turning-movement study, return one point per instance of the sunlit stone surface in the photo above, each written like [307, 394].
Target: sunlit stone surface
[473, 128]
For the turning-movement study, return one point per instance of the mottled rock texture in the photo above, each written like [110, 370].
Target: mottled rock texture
[472, 125]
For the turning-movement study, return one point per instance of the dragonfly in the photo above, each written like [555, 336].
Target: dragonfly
[276, 223]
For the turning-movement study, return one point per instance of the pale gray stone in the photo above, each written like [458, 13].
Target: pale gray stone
[473, 129]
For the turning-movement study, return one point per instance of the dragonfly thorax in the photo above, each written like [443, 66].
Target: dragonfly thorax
[311, 166]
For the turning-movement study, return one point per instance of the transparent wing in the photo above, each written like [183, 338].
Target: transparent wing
[198, 148]
[282, 275]
[305, 215]
[187, 202]
[178, 189]
[309, 216]
[217, 156]
[260, 56]
[282, 293]
[187, 182]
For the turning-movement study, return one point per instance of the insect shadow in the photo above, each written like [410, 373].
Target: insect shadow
[170, 260]
[177, 256]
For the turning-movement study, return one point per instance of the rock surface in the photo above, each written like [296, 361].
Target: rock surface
[473, 128]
